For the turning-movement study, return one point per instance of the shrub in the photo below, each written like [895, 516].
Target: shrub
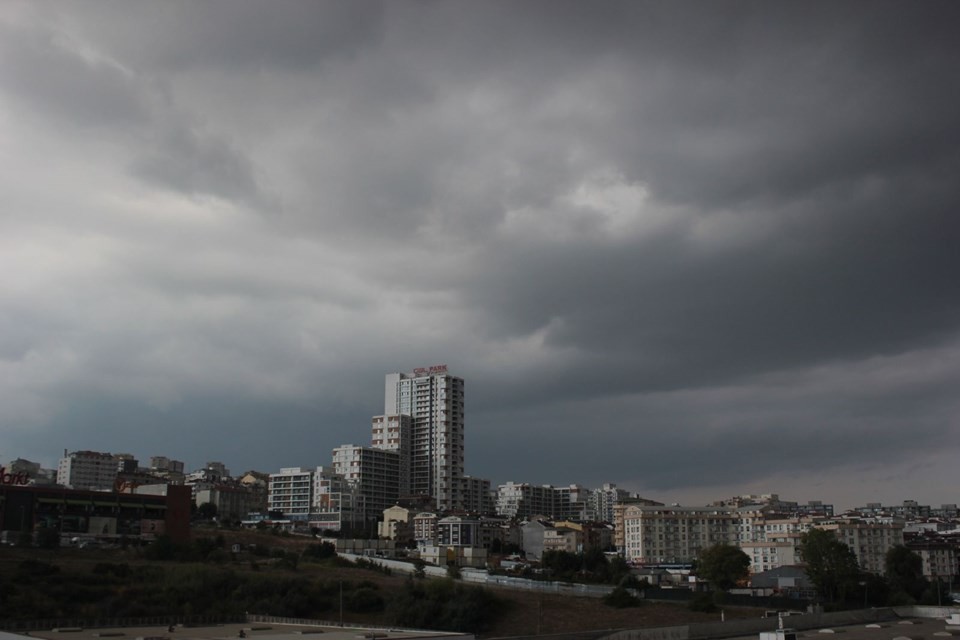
[702, 602]
[621, 598]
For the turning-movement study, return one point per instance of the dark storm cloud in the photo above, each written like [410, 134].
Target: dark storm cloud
[248, 35]
[671, 236]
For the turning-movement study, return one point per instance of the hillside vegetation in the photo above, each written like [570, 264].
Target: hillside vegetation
[286, 577]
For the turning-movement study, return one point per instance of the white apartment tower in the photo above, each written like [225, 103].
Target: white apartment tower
[90, 470]
[434, 401]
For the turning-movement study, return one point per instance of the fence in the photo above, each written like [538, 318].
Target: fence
[482, 577]
[109, 623]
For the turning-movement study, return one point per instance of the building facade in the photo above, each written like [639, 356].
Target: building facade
[393, 433]
[434, 400]
[673, 534]
[290, 492]
[89, 470]
[374, 475]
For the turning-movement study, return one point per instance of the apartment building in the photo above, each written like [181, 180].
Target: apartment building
[393, 433]
[939, 558]
[425, 528]
[619, 539]
[601, 502]
[396, 524]
[659, 534]
[290, 492]
[476, 495]
[89, 470]
[374, 474]
[522, 500]
[163, 463]
[434, 400]
[563, 539]
[233, 502]
[774, 543]
[457, 531]
[334, 502]
[909, 509]
[772, 504]
[868, 538]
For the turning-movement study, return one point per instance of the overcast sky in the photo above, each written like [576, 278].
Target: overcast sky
[694, 249]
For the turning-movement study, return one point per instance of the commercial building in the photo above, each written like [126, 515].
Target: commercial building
[104, 516]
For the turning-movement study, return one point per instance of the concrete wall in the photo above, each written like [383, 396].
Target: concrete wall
[754, 626]
[926, 612]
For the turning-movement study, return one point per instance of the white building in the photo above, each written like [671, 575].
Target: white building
[89, 470]
[434, 401]
[290, 492]
[600, 502]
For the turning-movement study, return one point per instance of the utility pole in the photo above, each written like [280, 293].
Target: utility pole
[540, 614]
[341, 603]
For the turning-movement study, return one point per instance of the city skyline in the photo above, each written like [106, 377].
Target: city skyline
[689, 249]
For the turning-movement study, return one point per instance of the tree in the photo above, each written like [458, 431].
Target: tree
[621, 598]
[419, 568]
[830, 564]
[48, 538]
[904, 571]
[723, 565]
[207, 511]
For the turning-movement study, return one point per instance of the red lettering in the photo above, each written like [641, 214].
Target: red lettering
[13, 478]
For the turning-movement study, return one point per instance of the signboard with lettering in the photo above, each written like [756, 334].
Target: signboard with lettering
[431, 370]
[19, 478]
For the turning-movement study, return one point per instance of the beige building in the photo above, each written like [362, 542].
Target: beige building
[396, 524]
[868, 538]
[939, 559]
[662, 534]
[563, 539]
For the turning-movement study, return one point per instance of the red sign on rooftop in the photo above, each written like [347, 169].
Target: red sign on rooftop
[431, 370]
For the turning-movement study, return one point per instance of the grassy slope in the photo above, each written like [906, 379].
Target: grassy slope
[524, 614]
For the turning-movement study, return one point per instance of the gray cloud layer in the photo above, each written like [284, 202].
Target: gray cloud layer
[693, 249]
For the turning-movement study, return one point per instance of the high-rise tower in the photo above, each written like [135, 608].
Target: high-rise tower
[434, 401]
